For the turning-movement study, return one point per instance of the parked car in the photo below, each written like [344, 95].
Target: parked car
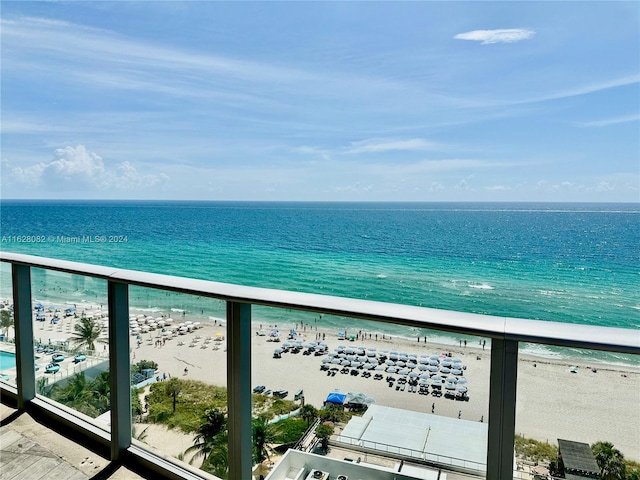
[259, 389]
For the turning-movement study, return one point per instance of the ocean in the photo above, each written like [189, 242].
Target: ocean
[573, 263]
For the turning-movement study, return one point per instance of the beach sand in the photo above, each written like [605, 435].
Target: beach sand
[552, 402]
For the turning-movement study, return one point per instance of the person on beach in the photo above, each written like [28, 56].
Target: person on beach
[186, 370]
[433, 407]
[459, 413]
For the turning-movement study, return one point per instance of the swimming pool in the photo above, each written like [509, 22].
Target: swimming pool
[7, 360]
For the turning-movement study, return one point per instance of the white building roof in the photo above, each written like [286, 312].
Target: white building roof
[445, 441]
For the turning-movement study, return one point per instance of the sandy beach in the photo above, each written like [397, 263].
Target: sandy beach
[553, 402]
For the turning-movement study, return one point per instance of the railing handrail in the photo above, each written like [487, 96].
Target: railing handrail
[418, 453]
[593, 337]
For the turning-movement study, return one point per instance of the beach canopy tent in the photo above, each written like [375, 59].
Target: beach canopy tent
[578, 460]
[336, 398]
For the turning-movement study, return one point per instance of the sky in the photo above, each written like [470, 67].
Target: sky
[321, 101]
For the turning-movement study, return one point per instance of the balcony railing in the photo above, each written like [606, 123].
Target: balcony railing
[505, 334]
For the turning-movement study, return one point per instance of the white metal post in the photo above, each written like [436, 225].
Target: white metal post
[119, 368]
[239, 389]
[502, 409]
[23, 323]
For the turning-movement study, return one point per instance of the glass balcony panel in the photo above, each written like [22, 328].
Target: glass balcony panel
[389, 393]
[179, 376]
[7, 330]
[572, 394]
[71, 323]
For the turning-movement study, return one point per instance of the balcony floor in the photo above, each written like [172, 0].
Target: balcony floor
[31, 451]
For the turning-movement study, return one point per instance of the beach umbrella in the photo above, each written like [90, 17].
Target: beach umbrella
[424, 361]
[362, 359]
[371, 353]
[457, 360]
[422, 368]
[168, 320]
[461, 389]
[447, 363]
[433, 362]
[433, 369]
[462, 380]
[393, 355]
[349, 351]
[456, 371]
[369, 400]
[371, 349]
[450, 386]
[391, 363]
[452, 379]
[355, 364]
[411, 365]
[437, 379]
[413, 375]
[403, 371]
[424, 376]
[384, 351]
[340, 348]
[434, 357]
[372, 360]
[392, 370]
[367, 366]
[403, 358]
[379, 368]
[351, 358]
[326, 360]
[445, 370]
[335, 361]
[345, 363]
[424, 381]
[400, 363]
[342, 355]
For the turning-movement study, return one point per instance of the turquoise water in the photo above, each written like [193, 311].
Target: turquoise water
[7, 361]
[574, 263]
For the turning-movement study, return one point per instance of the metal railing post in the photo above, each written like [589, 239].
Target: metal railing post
[23, 324]
[239, 389]
[119, 369]
[502, 409]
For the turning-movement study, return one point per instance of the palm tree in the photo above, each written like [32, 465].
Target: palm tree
[76, 394]
[323, 432]
[262, 435]
[610, 460]
[173, 388]
[308, 413]
[210, 433]
[6, 321]
[217, 463]
[87, 333]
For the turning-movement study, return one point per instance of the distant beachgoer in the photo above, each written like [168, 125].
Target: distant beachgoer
[186, 370]
[465, 344]
[482, 419]
[433, 407]
[459, 413]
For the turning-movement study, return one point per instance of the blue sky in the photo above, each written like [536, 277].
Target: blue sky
[339, 101]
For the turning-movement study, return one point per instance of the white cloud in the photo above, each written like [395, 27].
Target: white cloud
[502, 35]
[387, 145]
[76, 168]
[612, 121]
